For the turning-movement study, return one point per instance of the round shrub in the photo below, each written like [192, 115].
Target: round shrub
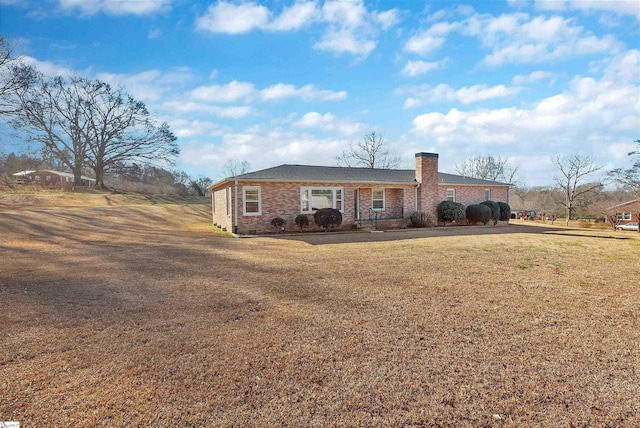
[327, 218]
[449, 211]
[505, 211]
[495, 210]
[302, 221]
[278, 223]
[478, 213]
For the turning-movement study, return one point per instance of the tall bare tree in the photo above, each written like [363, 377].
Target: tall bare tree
[51, 113]
[573, 172]
[85, 122]
[121, 130]
[629, 178]
[488, 167]
[14, 77]
[235, 167]
[370, 152]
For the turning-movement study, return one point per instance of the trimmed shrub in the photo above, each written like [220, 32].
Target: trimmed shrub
[327, 218]
[478, 213]
[505, 211]
[302, 221]
[421, 219]
[495, 210]
[449, 211]
[278, 223]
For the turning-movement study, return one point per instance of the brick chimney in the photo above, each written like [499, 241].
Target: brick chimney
[427, 176]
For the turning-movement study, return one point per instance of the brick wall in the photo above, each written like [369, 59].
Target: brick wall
[222, 207]
[282, 199]
[468, 195]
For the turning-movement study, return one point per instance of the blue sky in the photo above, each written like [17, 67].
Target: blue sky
[297, 81]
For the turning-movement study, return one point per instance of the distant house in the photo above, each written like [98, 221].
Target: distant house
[626, 212]
[47, 177]
[246, 203]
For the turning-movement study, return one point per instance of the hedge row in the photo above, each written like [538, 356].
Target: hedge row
[449, 212]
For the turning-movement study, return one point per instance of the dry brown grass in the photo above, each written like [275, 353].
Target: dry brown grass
[137, 314]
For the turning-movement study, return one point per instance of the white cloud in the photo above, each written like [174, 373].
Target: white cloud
[116, 7]
[149, 85]
[230, 93]
[183, 128]
[345, 41]
[620, 7]
[589, 107]
[416, 68]
[517, 38]
[295, 17]
[48, 68]
[233, 112]
[307, 92]
[243, 91]
[465, 95]
[349, 26]
[230, 18]
[329, 123]
[534, 76]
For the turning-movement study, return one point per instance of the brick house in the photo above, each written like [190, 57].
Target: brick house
[246, 203]
[627, 212]
[47, 177]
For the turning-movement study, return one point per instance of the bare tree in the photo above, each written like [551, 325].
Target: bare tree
[51, 113]
[14, 77]
[85, 122]
[573, 172]
[629, 178]
[370, 152]
[235, 167]
[488, 167]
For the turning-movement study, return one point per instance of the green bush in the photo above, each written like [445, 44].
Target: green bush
[421, 219]
[505, 211]
[327, 218]
[449, 211]
[278, 224]
[478, 213]
[302, 221]
[495, 210]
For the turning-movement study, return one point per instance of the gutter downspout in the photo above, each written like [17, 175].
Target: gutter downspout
[235, 207]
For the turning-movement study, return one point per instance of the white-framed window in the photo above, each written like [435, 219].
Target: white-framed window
[37, 178]
[623, 216]
[228, 200]
[315, 198]
[451, 195]
[377, 199]
[252, 200]
[48, 178]
[487, 194]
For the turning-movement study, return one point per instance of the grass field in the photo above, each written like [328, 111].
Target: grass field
[126, 310]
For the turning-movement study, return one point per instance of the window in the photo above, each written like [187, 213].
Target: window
[228, 200]
[37, 178]
[487, 194]
[451, 195]
[315, 198]
[623, 216]
[48, 178]
[251, 196]
[377, 199]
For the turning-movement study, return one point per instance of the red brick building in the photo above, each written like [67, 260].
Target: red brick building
[627, 212]
[246, 204]
[50, 178]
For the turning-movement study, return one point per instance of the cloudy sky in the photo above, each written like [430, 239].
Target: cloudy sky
[296, 81]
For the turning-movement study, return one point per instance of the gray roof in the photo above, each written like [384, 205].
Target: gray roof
[321, 174]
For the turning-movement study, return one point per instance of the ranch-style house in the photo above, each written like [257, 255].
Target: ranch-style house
[245, 204]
